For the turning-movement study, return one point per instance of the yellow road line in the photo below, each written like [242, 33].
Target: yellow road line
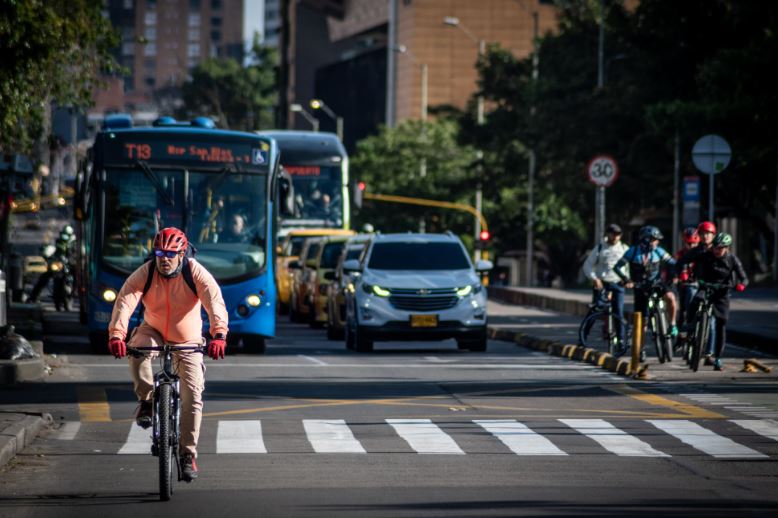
[685, 409]
[93, 405]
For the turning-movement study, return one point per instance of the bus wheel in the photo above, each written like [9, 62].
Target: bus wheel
[254, 344]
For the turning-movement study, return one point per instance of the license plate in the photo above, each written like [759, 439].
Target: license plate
[424, 320]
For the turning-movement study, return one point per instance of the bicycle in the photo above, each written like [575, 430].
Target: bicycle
[165, 432]
[656, 319]
[696, 342]
[598, 328]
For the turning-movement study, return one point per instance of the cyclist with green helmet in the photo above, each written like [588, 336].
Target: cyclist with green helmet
[717, 265]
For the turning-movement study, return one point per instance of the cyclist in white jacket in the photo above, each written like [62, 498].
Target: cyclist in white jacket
[599, 268]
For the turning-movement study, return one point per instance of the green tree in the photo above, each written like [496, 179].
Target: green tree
[391, 163]
[52, 51]
[238, 97]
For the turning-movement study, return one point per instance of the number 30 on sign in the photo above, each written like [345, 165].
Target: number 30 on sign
[602, 170]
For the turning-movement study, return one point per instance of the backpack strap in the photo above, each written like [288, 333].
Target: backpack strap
[186, 273]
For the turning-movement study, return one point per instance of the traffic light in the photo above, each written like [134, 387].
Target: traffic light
[359, 189]
[483, 240]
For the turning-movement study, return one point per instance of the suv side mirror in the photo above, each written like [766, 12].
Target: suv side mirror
[352, 265]
[483, 266]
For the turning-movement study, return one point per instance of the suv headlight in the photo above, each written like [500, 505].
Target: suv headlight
[374, 289]
[469, 289]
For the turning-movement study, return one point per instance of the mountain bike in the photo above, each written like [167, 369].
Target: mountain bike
[698, 339]
[598, 328]
[167, 410]
[656, 319]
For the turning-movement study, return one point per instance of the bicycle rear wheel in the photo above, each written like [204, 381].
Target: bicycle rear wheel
[701, 332]
[165, 443]
[664, 342]
[593, 332]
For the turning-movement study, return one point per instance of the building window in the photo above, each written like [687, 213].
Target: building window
[127, 4]
[151, 4]
[150, 81]
[194, 19]
[216, 5]
[129, 83]
[150, 18]
[194, 5]
[216, 36]
[128, 48]
[193, 50]
[194, 34]
[150, 49]
[216, 21]
[149, 64]
[150, 33]
[191, 63]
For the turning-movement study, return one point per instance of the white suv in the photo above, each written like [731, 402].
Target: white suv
[416, 287]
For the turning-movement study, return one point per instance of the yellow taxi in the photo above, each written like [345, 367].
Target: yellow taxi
[289, 248]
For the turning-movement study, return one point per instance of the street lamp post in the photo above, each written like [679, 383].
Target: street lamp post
[453, 21]
[318, 104]
[297, 108]
[402, 49]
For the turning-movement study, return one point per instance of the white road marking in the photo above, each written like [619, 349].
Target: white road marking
[765, 427]
[138, 441]
[68, 431]
[425, 437]
[517, 366]
[243, 436]
[314, 360]
[704, 440]
[518, 437]
[331, 436]
[613, 439]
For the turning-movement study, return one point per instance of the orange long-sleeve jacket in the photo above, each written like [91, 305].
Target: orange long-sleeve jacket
[170, 305]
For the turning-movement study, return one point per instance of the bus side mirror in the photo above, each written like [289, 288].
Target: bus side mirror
[285, 194]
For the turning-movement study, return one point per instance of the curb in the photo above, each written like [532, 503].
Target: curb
[21, 434]
[20, 371]
[570, 351]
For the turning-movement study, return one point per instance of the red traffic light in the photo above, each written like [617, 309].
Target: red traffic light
[484, 235]
[362, 186]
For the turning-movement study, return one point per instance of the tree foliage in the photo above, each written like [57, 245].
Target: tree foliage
[695, 67]
[238, 97]
[52, 51]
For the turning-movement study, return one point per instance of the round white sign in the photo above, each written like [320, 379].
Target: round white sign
[602, 170]
[711, 154]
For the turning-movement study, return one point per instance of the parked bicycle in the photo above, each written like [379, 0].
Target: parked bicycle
[166, 398]
[598, 328]
[697, 340]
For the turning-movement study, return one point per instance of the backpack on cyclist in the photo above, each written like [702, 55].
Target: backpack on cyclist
[186, 273]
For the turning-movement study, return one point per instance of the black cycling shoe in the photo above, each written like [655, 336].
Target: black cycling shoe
[188, 467]
[642, 355]
[143, 414]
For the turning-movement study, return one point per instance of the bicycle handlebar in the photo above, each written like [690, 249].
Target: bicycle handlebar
[715, 285]
[190, 348]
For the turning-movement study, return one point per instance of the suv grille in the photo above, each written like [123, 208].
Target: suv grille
[423, 299]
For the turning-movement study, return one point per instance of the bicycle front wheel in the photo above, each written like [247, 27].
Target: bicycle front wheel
[166, 460]
[662, 337]
[593, 332]
[701, 332]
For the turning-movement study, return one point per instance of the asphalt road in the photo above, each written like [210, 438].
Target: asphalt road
[413, 429]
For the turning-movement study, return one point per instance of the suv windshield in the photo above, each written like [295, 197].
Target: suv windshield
[418, 256]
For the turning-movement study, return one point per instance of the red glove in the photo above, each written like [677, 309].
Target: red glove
[117, 347]
[740, 287]
[684, 276]
[216, 347]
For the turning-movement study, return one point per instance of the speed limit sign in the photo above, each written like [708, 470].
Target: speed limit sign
[602, 170]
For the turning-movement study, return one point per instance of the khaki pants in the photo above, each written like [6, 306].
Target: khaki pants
[191, 370]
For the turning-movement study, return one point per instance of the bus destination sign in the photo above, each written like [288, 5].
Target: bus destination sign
[250, 153]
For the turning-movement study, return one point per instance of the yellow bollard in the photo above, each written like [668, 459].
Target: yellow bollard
[637, 341]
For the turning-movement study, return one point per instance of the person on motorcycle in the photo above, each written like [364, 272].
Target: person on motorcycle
[61, 252]
[687, 287]
[171, 316]
[646, 261]
[716, 266]
[599, 268]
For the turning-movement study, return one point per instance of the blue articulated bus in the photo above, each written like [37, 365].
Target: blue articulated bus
[138, 180]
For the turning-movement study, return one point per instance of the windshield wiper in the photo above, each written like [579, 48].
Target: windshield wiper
[155, 182]
[223, 172]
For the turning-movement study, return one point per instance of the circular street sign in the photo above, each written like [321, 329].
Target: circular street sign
[602, 170]
[711, 154]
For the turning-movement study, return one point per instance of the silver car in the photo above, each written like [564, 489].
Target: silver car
[416, 287]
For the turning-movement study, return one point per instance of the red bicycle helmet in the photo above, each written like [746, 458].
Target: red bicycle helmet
[170, 240]
[690, 235]
[707, 226]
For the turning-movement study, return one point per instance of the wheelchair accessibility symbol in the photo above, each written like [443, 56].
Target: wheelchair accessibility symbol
[258, 157]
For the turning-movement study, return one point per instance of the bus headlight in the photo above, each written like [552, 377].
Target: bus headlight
[253, 300]
[109, 295]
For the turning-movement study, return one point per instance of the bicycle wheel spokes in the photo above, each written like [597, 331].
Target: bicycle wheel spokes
[594, 331]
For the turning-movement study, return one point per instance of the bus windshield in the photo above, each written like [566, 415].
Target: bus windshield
[222, 213]
[317, 190]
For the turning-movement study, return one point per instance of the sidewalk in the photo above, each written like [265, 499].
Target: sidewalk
[18, 430]
[752, 321]
[556, 333]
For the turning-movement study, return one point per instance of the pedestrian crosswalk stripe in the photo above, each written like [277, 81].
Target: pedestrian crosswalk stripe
[331, 436]
[765, 427]
[243, 436]
[425, 437]
[68, 431]
[518, 437]
[705, 440]
[138, 441]
[613, 439]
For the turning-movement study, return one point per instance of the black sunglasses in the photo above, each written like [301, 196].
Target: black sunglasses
[165, 253]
